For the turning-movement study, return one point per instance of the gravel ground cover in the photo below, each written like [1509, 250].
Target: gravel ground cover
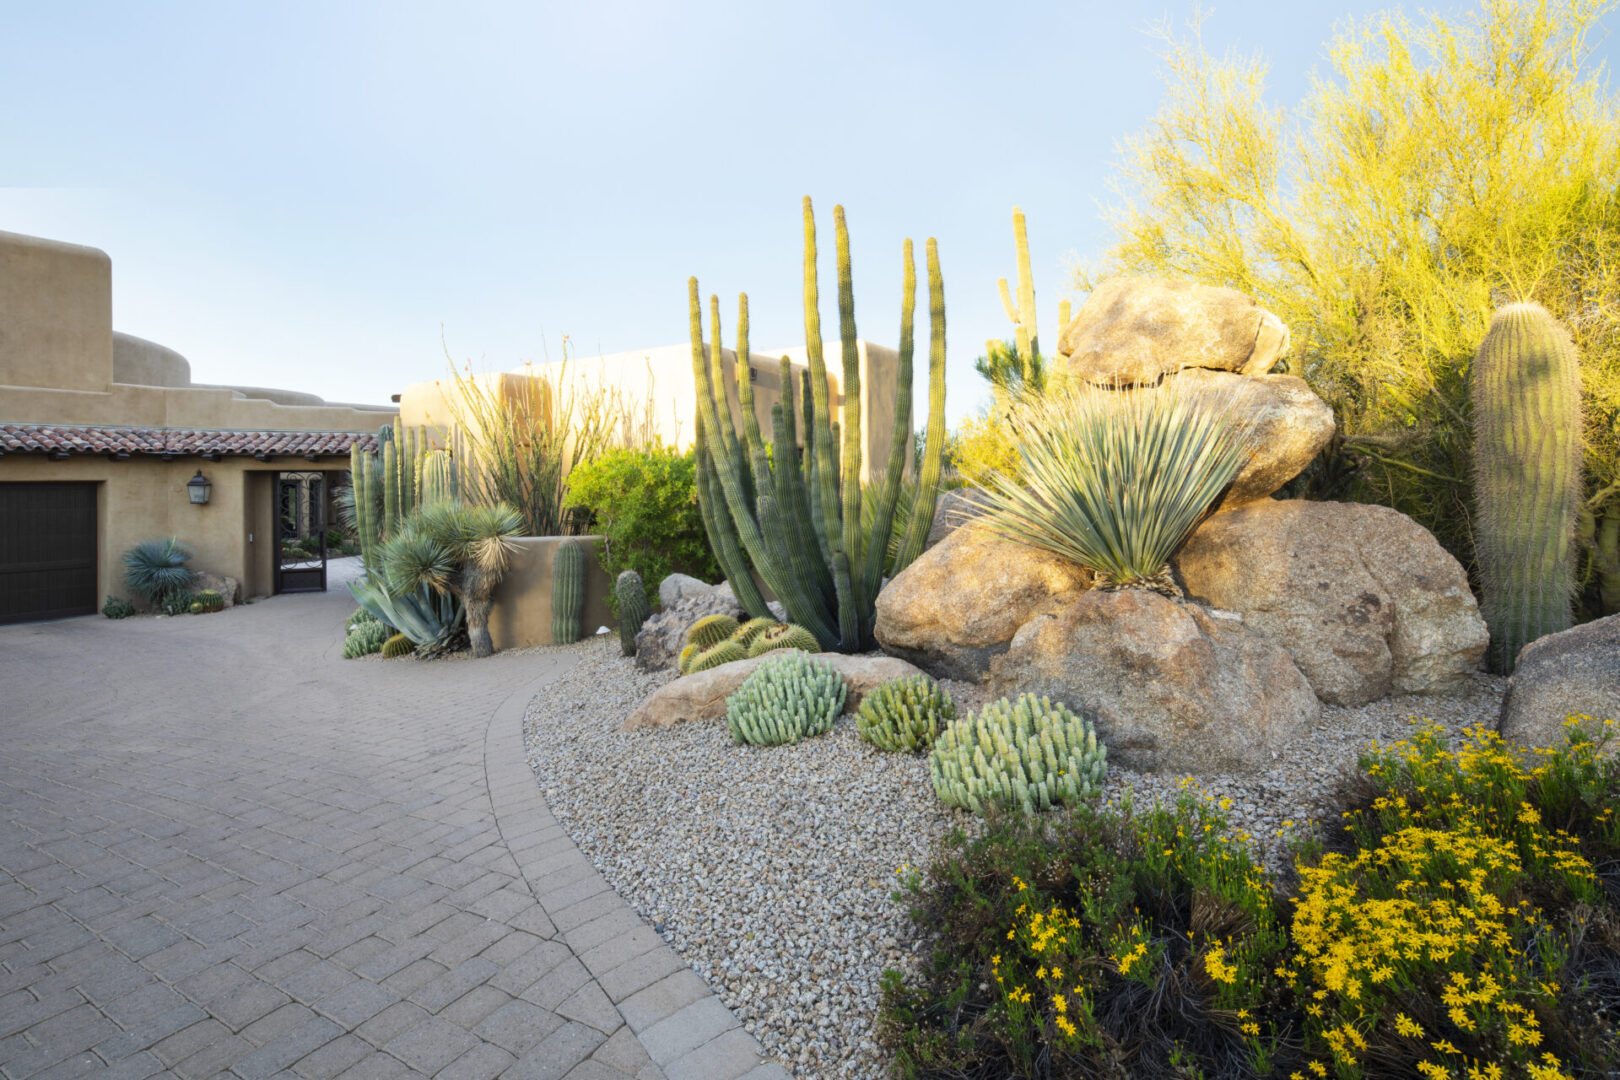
[771, 870]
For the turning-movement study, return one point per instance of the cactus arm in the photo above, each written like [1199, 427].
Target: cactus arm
[753, 441]
[826, 470]
[812, 471]
[791, 493]
[849, 621]
[727, 471]
[1029, 346]
[722, 533]
[391, 489]
[803, 605]
[788, 513]
[850, 466]
[728, 432]
[922, 511]
[900, 438]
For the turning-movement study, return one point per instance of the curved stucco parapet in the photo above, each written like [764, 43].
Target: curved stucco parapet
[139, 362]
[55, 314]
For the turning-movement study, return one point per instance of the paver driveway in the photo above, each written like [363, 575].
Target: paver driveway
[230, 852]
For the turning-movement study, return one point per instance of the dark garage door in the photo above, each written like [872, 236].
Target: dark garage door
[47, 551]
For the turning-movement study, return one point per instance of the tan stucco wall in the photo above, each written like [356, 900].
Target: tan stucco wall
[146, 363]
[55, 314]
[143, 499]
[664, 375]
[522, 612]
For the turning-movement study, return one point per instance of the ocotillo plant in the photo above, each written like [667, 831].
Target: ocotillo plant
[568, 593]
[800, 528]
[1526, 388]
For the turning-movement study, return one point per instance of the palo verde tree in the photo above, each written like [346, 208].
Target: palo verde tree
[1436, 171]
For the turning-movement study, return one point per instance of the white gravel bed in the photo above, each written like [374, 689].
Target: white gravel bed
[771, 870]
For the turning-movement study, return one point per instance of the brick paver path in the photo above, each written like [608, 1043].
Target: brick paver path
[229, 852]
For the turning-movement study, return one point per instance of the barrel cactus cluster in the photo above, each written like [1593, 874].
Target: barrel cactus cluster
[788, 698]
[397, 646]
[719, 639]
[207, 602]
[905, 715]
[568, 593]
[1029, 754]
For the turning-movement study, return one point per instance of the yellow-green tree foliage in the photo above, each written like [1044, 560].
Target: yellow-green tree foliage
[1436, 170]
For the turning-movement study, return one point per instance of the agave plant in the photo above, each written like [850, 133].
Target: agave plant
[456, 549]
[1116, 479]
[154, 568]
[431, 620]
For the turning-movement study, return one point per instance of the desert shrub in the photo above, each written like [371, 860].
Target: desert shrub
[1459, 921]
[117, 608]
[981, 448]
[1098, 943]
[1115, 480]
[176, 602]
[153, 568]
[644, 503]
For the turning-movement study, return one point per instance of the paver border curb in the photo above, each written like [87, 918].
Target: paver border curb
[686, 1030]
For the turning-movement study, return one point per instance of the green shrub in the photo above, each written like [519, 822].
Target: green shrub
[786, 699]
[117, 608]
[154, 568]
[904, 715]
[177, 602]
[644, 503]
[365, 639]
[1027, 754]
[359, 615]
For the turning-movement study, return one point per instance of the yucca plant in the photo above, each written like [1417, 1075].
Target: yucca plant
[156, 568]
[1116, 479]
[462, 550]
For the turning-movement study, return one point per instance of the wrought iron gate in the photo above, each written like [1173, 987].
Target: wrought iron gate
[300, 532]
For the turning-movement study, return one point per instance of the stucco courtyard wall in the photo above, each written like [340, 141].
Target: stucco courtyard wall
[521, 615]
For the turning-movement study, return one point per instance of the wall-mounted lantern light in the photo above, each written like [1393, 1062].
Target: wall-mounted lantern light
[198, 488]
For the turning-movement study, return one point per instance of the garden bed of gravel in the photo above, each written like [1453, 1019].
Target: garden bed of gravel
[772, 870]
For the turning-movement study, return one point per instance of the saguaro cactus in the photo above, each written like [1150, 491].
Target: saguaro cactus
[1527, 477]
[568, 593]
[799, 527]
[632, 597]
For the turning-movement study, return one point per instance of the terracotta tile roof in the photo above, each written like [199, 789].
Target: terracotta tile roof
[132, 441]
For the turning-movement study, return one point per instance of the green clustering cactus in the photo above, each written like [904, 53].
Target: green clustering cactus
[784, 636]
[117, 608]
[1527, 477]
[786, 699]
[710, 631]
[360, 615]
[397, 646]
[365, 639]
[568, 593]
[633, 612]
[724, 653]
[1027, 754]
[208, 601]
[905, 715]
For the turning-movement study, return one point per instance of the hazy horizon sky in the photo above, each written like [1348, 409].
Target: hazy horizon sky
[301, 195]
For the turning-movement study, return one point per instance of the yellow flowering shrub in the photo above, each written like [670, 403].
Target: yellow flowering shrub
[983, 447]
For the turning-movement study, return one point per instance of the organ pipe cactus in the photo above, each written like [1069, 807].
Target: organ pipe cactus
[436, 479]
[798, 524]
[1527, 477]
[1028, 754]
[632, 597]
[787, 698]
[904, 715]
[568, 593]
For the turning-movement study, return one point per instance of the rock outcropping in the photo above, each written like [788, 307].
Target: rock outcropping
[702, 696]
[958, 606]
[1573, 672]
[1171, 686]
[1364, 599]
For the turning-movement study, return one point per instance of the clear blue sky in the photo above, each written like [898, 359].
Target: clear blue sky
[300, 194]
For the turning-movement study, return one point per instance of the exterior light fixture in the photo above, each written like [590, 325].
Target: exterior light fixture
[199, 489]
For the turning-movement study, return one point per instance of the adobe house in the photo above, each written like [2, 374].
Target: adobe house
[105, 441]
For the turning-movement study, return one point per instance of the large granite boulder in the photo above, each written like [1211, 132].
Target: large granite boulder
[702, 695]
[1364, 599]
[1288, 426]
[662, 636]
[1134, 330]
[1575, 672]
[954, 509]
[677, 587]
[1171, 686]
[959, 604]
